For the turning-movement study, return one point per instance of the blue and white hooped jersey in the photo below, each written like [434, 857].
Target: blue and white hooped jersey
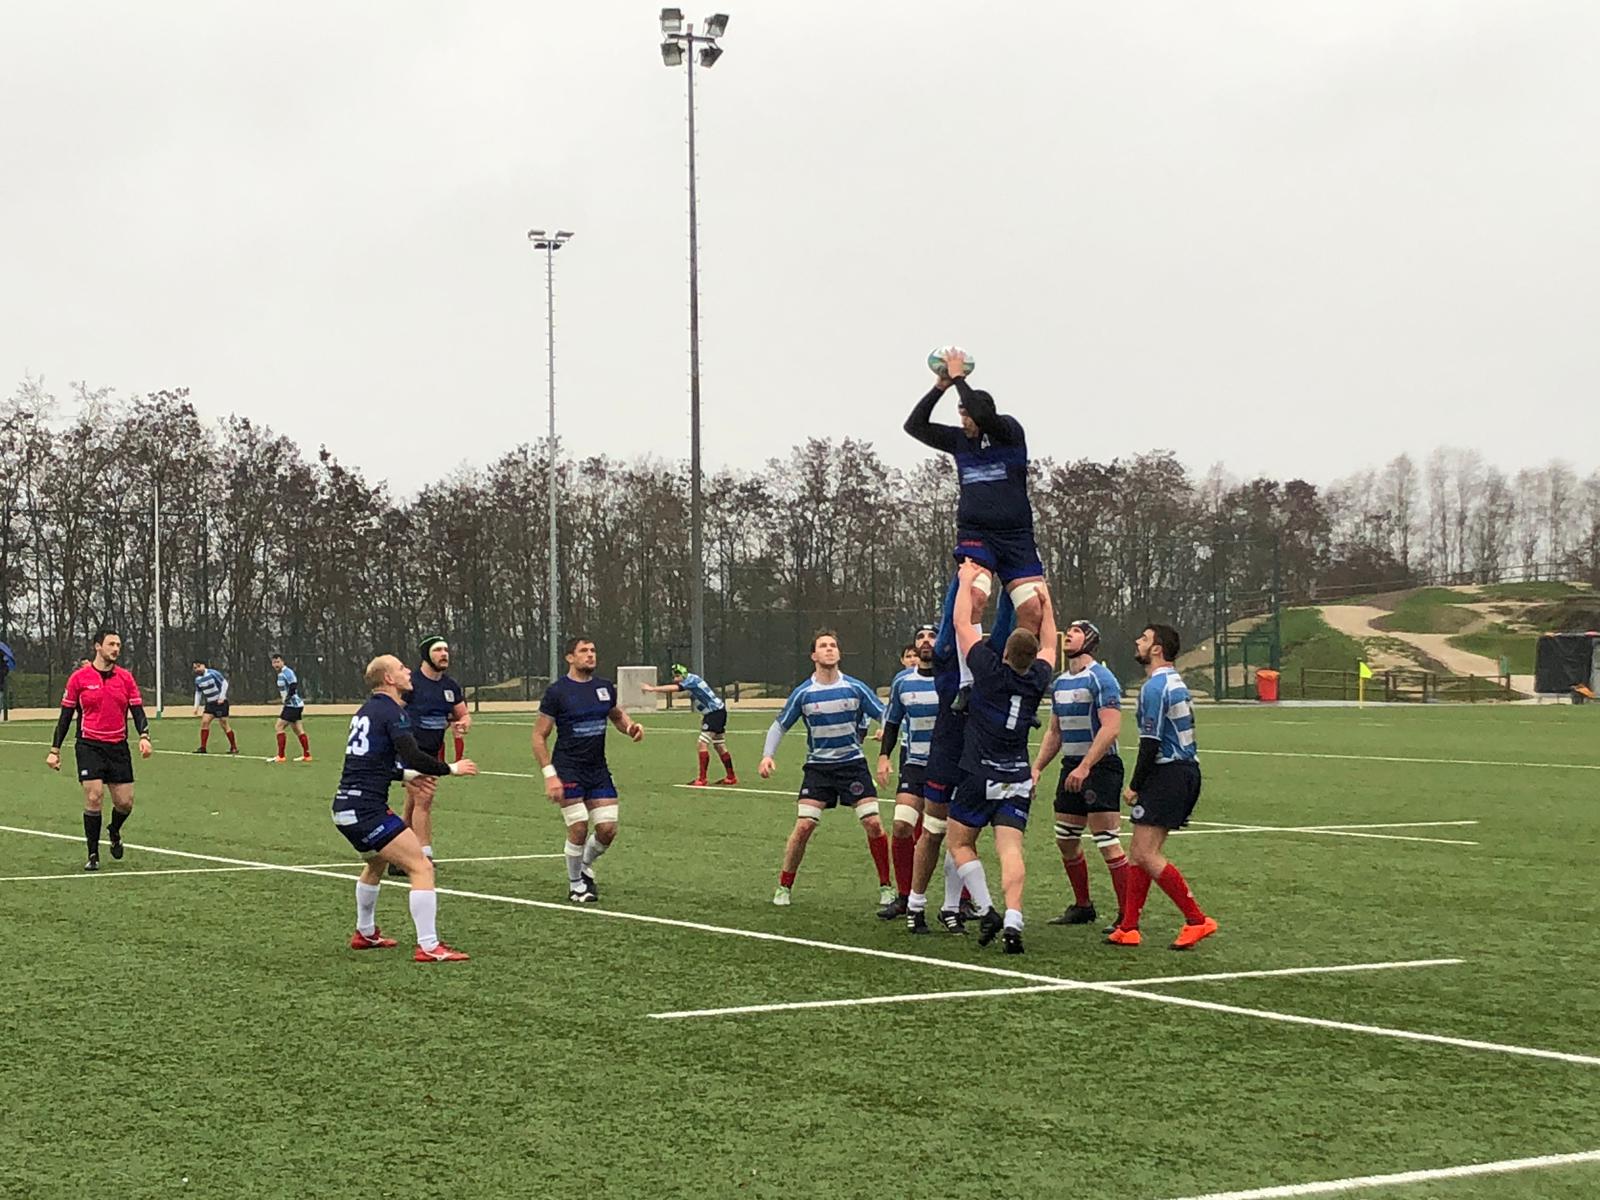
[700, 694]
[289, 688]
[914, 706]
[1166, 714]
[834, 714]
[1076, 702]
[210, 687]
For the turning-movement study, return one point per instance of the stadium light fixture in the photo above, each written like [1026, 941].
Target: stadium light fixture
[679, 47]
[550, 243]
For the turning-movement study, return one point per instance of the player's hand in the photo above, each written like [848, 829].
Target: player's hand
[955, 365]
[463, 766]
[197, 712]
[144, 745]
[555, 789]
[970, 570]
[636, 732]
[883, 770]
[1129, 796]
[943, 383]
[464, 725]
[1076, 778]
[766, 768]
[1037, 771]
[53, 760]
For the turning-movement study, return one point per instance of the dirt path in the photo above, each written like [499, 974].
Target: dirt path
[1355, 620]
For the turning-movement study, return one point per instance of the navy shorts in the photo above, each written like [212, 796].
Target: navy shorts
[1168, 797]
[369, 830]
[1012, 555]
[593, 784]
[217, 708]
[913, 780]
[828, 784]
[1102, 791]
[715, 722]
[943, 771]
[291, 715]
[980, 801]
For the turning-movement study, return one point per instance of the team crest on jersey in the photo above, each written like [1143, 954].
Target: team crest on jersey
[449, 695]
[602, 694]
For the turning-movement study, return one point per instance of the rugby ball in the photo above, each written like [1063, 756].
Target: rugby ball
[936, 359]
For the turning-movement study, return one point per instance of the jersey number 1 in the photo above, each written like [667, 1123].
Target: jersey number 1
[1015, 714]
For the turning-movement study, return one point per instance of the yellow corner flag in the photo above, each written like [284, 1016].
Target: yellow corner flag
[1363, 673]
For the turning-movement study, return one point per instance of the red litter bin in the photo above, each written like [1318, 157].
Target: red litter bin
[1267, 686]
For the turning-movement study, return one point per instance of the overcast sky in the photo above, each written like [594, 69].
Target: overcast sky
[1294, 237]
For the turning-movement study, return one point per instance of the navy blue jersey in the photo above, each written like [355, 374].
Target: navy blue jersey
[432, 701]
[992, 468]
[580, 711]
[370, 761]
[1000, 715]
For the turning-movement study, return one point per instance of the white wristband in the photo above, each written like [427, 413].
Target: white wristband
[550, 771]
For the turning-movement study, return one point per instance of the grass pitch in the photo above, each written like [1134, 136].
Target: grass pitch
[207, 1033]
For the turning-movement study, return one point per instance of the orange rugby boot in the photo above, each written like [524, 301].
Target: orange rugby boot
[1193, 935]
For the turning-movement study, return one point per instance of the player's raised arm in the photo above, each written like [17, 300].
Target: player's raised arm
[1049, 635]
[920, 423]
[962, 615]
[625, 724]
[1002, 430]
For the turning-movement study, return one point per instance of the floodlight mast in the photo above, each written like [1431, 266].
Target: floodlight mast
[550, 243]
[678, 47]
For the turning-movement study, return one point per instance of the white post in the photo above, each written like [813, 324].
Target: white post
[158, 616]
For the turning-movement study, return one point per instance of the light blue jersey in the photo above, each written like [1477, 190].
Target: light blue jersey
[1076, 702]
[1166, 715]
[913, 705]
[210, 687]
[289, 688]
[834, 713]
[700, 694]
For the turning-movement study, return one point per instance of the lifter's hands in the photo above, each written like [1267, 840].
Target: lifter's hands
[955, 365]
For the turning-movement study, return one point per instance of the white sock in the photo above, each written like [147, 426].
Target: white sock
[425, 915]
[574, 855]
[952, 883]
[592, 849]
[1014, 918]
[973, 879]
[427, 852]
[917, 902]
[366, 907]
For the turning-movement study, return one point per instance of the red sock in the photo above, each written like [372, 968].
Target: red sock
[705, 761]
[905, 857]
[305, 745]
[282, 738]
[786, 878]
[1133, 900]
[880, 856]
[1176, 887]
[727, 762]
[461, 747]
[1078, 873]
[1119, 879]
[205, 735]
[916, 832]
[232, 742]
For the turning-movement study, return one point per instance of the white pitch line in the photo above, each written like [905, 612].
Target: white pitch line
[1394, 758]
[128, 874]
[912, 998]
[1110, 989]
[1358, 1183]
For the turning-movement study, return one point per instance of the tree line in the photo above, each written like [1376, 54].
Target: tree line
[264, 546]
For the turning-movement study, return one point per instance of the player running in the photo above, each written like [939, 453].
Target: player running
[997, 784]
[381, 744]
[576, 777]
[435, 704]
[292, 714]
[1084, 725]
[102, 696]
[211, 703]
[713, 721]
[834, 706]
[1163, 791]
[994, 517]
[913, 707]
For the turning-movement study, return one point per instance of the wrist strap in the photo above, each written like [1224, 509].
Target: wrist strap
[550, 771]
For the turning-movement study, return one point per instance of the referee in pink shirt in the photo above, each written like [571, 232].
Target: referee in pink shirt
[103, 696]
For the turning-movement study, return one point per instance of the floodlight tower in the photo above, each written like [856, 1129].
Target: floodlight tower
[678, 43]
[550, 243]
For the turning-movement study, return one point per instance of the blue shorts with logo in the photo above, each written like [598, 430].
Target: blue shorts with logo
[1011, 554]
[980, 801]
[943, 771]
[368, 829]
[590, 783]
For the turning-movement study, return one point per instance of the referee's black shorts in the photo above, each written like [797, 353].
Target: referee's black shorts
[109, 762]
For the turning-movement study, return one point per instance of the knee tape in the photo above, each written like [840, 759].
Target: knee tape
[574, 814]
[933, 825]
[866, 810]
[705, 739]
[1067, 832]
[606, 814]
[1023, 592]
[810, 813]
[1107, 839]
[905, 814]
